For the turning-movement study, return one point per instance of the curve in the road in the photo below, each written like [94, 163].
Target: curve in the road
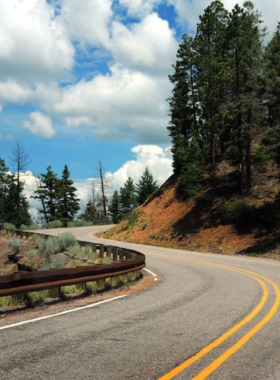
[221, 359]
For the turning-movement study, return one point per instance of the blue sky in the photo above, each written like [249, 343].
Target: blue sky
[83, 80]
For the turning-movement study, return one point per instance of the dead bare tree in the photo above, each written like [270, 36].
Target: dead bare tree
[19, 161]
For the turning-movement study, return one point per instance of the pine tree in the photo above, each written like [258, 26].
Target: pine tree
[48, 194]
[11, 206]
[128, 197]
[272, 77]
[209, 45]
[114, 208]
[146, 186]
[244, 63]
[6, 181]
[183, 104]
[68, 203]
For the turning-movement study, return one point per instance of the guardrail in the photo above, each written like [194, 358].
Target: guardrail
[124, 261]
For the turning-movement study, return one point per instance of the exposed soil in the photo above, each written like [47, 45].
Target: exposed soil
[168, 219]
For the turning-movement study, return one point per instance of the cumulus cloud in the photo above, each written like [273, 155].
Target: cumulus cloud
[13, 92]
[39, 125]
[139, 7]
[149, 45]
[34, 44]
[157, 159]
[88, 21]
[121, 105]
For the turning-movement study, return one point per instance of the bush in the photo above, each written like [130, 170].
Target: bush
[49, 246]
[79, 223]
[203, 200]
[34, 299]
[54, 224]
[260, 159]
[27, 228]
[234, 211]
[9, 226]
[65, 241]
[55, 262]
[14, 244]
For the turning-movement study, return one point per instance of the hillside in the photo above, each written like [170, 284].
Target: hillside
[215, 220]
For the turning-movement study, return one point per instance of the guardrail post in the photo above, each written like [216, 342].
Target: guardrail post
[109, 251]
[101, 251]
[93, 247]
[115, 254]
[121, 253]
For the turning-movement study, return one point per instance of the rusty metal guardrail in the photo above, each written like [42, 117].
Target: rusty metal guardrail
[124, 261]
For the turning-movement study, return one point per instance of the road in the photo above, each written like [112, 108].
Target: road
[210, 316]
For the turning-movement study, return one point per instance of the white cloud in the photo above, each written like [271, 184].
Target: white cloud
[88, 20]
[13, 92]
[39, 125]
[139, 7]
[149, 45]
[34, 44]
[157, 159]
[122, 105]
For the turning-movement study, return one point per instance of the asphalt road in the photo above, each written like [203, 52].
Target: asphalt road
[210, 316]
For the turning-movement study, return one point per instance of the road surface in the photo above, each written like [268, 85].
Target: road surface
[210, 316]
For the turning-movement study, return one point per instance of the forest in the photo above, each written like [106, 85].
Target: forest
[225, 103]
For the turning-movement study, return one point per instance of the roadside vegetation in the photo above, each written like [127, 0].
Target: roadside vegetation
[61, 251]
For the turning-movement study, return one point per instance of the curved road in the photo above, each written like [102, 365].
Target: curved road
[210, 316]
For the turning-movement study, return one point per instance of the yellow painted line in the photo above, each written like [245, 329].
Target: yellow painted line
[215, 364]
[174, 372]
[220, 360]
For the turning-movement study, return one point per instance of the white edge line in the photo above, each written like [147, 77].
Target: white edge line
[149, 271]
[61, 313]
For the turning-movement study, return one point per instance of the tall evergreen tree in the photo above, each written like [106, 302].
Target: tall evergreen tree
[48, 194]
[6, 181]
[183, 104]
[272, 76]
[114, 208]
[68, 203]
[146, 186]
[209, 45]
[128, 197]
[244, 63]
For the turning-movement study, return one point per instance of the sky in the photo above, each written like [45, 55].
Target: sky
[87, 80]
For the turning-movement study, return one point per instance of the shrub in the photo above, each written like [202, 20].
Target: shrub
[260, 159]
[235, 211]
[66, 240]
[31, 254]
[54, 224]
[55, 262]
[34, 299]
[14, 244]
[203, 200]
[37, 239]
[79, 223]
[75, 250]
[9, 226]
[31, 227]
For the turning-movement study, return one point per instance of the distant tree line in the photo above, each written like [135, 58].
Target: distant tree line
[57, 196]
[226, 89]
[122, 202]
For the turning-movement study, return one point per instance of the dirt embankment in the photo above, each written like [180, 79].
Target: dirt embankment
[168, 219]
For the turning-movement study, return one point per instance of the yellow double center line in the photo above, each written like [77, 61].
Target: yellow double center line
[221, 359]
